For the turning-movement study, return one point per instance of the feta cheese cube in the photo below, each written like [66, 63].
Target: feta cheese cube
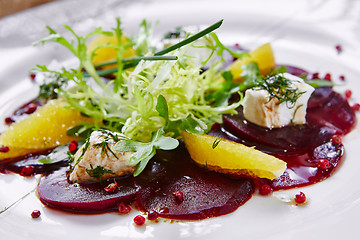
[270, 113]
[91, 156]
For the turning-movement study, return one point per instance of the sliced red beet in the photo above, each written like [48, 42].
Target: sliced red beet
[303, 169]
[204, 194]
[329, 114]
[300, 146]
[334, 113]
[16, 164]
[320, 96]
[54, 190]
[289, 138]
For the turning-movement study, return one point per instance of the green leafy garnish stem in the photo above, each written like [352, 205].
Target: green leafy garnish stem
[17, 201]
[190, 39]
[143, 152]
[138, 59]
[178, 45]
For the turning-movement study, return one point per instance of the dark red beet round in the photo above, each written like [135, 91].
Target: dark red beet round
[204, 194]
[55, 191]
[334, 113]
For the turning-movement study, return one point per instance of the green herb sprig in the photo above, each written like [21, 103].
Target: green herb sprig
[98, 172]
[143, 152]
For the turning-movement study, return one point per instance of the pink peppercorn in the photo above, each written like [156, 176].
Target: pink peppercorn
[111, 187]
[356, 107]
[265, 190]
[336, 139]
[31, 108]
[327, 77]
[315, 76]
[32, 76]
[300, 198]
[139, 220]
[348, 93]
[9, 120]
[152, 215]
[27, 171]
[72, 147]
[179, 196]
[124, 208]
[323, 164]
[35, 214]
[338, 48]
[4, 149]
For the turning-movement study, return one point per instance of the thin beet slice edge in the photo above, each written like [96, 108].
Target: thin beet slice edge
[55, 191]
[205, 194]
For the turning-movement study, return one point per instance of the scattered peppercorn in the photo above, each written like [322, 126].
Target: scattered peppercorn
[152, 215]
[111, 187]
[323, 164]
[300, 198]
[348, 94]
[9, 120]
[336, 139]
[315, 76]
[35, 214]
[179, 195]
[124, 208]
[32, 76]
[27, 170]
[338, 48]
[4, 149]
[139, 220]
[265, 190]
[31, 108]
[342, 77]
[328, 77]
[72, 147]
[356, 107]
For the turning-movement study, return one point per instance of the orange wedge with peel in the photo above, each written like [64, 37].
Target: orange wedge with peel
[44, 129]
[232, 158]
[263, 56]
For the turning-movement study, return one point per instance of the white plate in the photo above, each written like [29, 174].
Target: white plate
[303, 33]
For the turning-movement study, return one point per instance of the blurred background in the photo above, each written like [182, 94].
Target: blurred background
[8, 7]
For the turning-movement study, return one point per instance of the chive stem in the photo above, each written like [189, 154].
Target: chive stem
[190, 39]
[132, 62]
[138, 59]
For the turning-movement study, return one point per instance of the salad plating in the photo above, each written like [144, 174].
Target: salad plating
[148, 100]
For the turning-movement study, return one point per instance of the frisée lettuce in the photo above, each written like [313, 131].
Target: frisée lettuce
[150, 97]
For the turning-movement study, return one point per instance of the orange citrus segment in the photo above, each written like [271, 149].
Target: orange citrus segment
[232, 158]
[263, 56]
[104, 54]
[45, 128]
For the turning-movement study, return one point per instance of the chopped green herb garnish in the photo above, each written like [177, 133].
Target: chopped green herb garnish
[216, 143]
[280, 88]
[98, 172]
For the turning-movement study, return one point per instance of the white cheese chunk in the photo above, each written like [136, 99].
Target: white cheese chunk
[260, 110]
[94, 156]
